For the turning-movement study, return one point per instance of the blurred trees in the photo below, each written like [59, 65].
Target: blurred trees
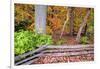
[24, 16]
[82, 25]
[56, 17]
[71, 20]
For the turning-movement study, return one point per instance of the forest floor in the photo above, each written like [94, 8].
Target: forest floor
[64, 59]
[65, 39]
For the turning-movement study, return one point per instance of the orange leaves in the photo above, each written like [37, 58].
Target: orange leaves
[24, 13]
[49, 30]
[56, 16]
[55, 23]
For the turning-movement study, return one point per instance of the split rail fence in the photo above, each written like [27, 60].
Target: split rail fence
[63, 50]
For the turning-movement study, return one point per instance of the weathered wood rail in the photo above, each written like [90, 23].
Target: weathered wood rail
[64, 50]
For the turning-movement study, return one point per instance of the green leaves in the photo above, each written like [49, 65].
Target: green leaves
[27, 40]
[84, 40]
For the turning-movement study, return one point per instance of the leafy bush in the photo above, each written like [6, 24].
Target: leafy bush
[84, 40]
[26, 41]
[90, 32]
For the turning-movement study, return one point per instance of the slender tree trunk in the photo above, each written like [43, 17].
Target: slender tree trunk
[67, 18]
[71, 21]
[82, 25]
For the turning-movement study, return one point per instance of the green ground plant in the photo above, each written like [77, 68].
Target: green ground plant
[84, 40]
[27, 40]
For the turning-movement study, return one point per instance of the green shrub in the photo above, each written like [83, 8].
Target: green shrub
[25, 41]
[84, 40]
[90, 33]
[60, 42]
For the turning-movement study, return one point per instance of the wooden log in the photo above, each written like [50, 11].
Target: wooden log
[30, 62]
[27, 59]
[30, 53]
[67, 50]
[45, 47]
[69, 53]
[70, 46]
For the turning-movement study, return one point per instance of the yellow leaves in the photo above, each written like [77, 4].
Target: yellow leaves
[24, 12]
[56, 17]
[49, 30]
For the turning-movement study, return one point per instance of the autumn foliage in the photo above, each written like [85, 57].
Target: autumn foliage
[56, 17]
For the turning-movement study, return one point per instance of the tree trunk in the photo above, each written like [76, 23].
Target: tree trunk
[40, 18]
[82, 25]
[71, 21]
[85, 29]
[67, 19]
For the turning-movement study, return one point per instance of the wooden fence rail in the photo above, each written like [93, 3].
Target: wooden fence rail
[54, 51]
[30, 53]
